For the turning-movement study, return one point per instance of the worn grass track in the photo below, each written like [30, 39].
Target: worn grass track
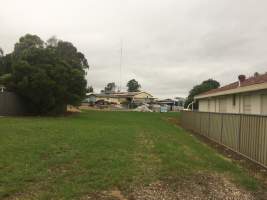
[74, 157]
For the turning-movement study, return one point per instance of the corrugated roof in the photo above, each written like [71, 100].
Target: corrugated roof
[258, 79]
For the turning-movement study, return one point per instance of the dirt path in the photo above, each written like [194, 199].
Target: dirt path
[196, 186]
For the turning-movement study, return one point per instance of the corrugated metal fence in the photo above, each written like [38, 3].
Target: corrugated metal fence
[11, 104]
[244, 134]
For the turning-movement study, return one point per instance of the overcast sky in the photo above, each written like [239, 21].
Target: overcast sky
[168, 45]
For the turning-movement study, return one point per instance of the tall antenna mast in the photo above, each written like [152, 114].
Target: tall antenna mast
[121, 67]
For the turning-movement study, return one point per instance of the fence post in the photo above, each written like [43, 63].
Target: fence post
[209, 126]
[195, 122]
[200, 123]
[239, 132]
[221, 129]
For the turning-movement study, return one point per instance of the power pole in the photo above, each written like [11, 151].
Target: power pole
[121, 67]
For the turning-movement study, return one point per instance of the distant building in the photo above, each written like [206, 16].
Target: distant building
[170, 102]
[180, 101]
[173, 104]
[121, 97]
[247, 95]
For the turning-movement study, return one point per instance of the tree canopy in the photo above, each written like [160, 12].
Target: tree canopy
[1, 52]
[89, 89]
[48, 77]
[198, 89]
[133, 86]
[1, 61]
[27, 43]
[110, 88]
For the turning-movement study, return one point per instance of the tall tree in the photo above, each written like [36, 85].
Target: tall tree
[1, 61]
[110, 88]
[133, 86]
[26, 43]
[90, 89]
[1, 52]
[198, 89]
[70, 54]
[52, 41]
[46, 77]
[5, 63]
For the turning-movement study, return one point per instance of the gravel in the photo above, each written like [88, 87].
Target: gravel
[197, 187]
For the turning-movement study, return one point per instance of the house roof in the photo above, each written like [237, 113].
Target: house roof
[131, 94]
[119, 94]
[253, 83]
[126, 94]
[167, 100]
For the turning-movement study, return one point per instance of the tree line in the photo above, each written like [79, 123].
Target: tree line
[200, 88]
[132, 86]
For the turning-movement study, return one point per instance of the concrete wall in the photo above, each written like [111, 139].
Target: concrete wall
[226, 104]
[11, 104]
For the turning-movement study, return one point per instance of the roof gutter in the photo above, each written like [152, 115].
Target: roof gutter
[250, 88]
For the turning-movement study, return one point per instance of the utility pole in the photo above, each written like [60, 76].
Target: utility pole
[121, 67]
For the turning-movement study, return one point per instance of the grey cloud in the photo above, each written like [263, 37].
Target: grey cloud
[168, 45]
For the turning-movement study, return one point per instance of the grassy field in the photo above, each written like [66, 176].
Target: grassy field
[74, 157]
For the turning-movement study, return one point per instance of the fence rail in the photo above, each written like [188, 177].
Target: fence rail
[244, 134]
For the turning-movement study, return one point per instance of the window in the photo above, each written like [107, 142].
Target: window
[247, 104]
[264, 104]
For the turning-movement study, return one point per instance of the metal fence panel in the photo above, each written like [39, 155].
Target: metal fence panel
[230, 131]
[204, 130]
[197, 123]
[215, 131]
[249, 136]
[262, 154]
[245, 134]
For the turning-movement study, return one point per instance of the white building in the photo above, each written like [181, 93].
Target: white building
[247, 95]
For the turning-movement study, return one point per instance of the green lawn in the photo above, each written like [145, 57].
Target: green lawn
[69, 157]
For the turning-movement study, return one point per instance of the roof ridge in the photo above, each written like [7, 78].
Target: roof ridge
[252, 80]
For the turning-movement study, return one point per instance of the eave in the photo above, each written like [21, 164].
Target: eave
[244, 89]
